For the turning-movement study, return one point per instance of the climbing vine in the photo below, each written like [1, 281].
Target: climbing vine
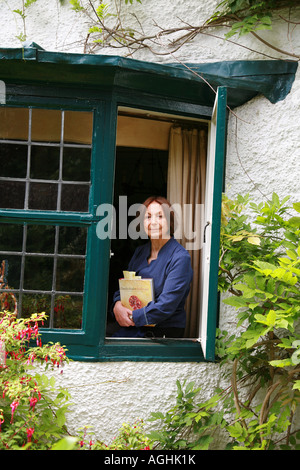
[108, 26]
[116, 24]
[250, 16]
[247, 16]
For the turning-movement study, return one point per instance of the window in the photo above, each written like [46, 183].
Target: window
[138, 184]
[46, 174]
[45, 160]
[60, 160]
[45, 267]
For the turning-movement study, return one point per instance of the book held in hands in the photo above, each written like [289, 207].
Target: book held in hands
[135, 292]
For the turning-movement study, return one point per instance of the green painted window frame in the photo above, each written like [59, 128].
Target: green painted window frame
[187, 350]
[89, 343]
[83, 342]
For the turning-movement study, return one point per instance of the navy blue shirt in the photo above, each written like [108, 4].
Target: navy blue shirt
[172, 274]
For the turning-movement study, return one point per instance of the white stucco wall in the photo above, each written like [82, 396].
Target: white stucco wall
[268, 159]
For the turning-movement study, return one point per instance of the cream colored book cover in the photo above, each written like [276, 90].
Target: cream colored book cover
[135, 292]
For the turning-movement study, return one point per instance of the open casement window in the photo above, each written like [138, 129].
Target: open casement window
[48, 231]
[212, 221]
[145, 165]
[58, 134]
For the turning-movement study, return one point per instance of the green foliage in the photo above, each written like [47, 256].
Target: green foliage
[99, 13]
[76, 5]
[130, 437]
[264, 280]
[260, 270]
[189, 424]
[101, 9]
[247, 16]
[108, 26]
[32, 410]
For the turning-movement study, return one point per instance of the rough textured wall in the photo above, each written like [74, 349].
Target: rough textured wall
[107, 395]
[262, 157]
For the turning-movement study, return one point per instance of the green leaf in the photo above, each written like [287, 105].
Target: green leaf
[294, 221]
[235, 301]
[296, 385]
[247, 292]
[67, 443]
[268, 320]
[271, 285]
[95, 29]
[60, 417]
[296, 206]
[252, 336]
[254, 240]
[157, 415]
[292, 254]
[76, 5]
[249, 279]
[281, 363]
[265, 266]
[52, 381]
[29, 2]
[275, 198]
[203, 443]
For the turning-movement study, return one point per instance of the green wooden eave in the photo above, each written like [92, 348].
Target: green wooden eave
[243, 79]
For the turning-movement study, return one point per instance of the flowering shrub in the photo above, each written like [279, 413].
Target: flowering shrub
[130, 437]
[32, 412]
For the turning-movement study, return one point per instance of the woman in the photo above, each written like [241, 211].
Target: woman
[164, 260]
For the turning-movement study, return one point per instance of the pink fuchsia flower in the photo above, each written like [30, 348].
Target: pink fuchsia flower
[29, 432]
[31, 358]
[91, 443]
[33, 402]
[13, 406]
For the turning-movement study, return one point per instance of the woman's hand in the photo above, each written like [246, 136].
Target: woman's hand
[123, 315]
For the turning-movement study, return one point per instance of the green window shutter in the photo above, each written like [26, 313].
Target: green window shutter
[211, 239]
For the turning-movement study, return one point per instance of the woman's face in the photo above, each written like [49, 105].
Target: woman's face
[155, 222]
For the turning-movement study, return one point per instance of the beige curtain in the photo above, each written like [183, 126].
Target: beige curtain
[186, 188]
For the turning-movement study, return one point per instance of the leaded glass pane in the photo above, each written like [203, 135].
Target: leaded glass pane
[74, 197]
[44, 267]
[12, 194]
[70, 275]
[40, 151]
[68, 311]
[45, 165]
[38, 273]
[16, 166]
[44, 162]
